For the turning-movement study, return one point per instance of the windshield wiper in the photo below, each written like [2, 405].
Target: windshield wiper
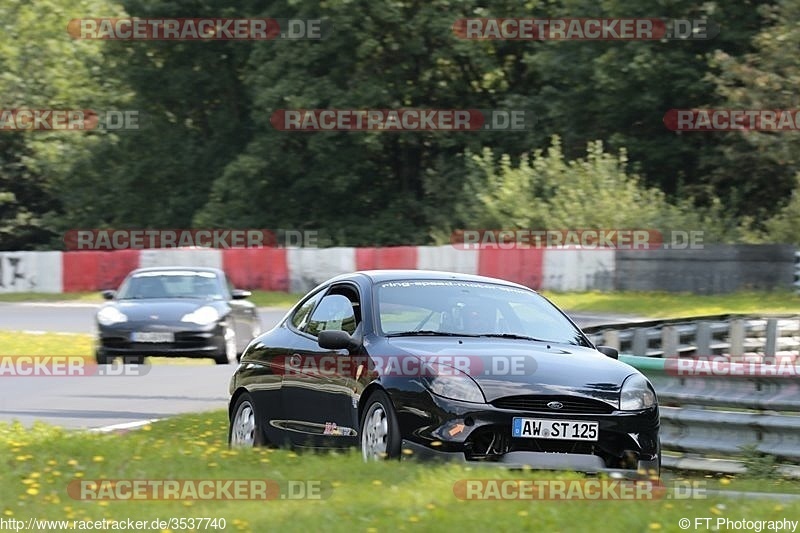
[429, 333]
[513, 336]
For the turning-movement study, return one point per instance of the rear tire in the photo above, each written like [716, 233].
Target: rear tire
[380, 432]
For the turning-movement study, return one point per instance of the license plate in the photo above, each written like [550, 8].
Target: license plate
[152, 336]
[543, 428]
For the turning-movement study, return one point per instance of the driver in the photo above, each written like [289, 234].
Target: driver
[149, 287]
[205, 287]
[477, 319]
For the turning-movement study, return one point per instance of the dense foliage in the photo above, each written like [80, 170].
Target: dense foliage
[207, 155]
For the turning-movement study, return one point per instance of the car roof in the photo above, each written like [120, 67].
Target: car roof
[379, 276]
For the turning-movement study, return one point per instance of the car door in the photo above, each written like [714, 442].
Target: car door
[319, 390]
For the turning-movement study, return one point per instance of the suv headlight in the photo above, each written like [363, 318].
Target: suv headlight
[109, 315]
[448, 382]
[202, 316]
[636, 394]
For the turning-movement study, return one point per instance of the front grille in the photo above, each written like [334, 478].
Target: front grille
[570, 404]
[184, 340]
[193, 339]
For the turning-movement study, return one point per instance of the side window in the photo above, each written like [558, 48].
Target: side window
[336, 312]
[301, 315]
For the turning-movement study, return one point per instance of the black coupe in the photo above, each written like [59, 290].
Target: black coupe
[436, 364]
[175, 312]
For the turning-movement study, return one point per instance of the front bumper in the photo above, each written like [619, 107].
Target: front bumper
[590, 464]
[203, 341]
[447, 429]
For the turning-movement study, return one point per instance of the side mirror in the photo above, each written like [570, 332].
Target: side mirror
[239, 294]
[613, 353]
[334, 339]
[108, 295]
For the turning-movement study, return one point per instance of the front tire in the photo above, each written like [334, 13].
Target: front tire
[244, 429]
[380, 432]
[229, 356]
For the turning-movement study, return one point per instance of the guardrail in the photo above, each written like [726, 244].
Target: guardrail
[735, 335]
[709, 422]
[797, 270]
[728, 387]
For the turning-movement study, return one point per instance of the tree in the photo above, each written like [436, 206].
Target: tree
[42, 67]
[385, 55]
[207, 155]
[365, 188]
[194, 121]
[756, 170]
[783, 226]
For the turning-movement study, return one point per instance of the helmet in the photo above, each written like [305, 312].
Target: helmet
[477, 319]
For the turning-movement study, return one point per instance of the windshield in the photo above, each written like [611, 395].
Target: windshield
[178, 284]
[452, 307]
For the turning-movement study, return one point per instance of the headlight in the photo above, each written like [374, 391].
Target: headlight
[449, 382]
[204, 315]
[636, 394]
[109, 315]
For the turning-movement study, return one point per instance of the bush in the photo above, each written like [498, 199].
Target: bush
[544, 191]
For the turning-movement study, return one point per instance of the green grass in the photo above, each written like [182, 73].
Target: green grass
[698, 482]
[75, 345]
[648, 304]
[40, 462]
[274, 299]
[90, 297]
[20, 343]
[260, 298]
[666, 305]
[652, 304]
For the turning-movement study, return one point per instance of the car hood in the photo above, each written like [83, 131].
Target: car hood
[166, 310]
[539, 368]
